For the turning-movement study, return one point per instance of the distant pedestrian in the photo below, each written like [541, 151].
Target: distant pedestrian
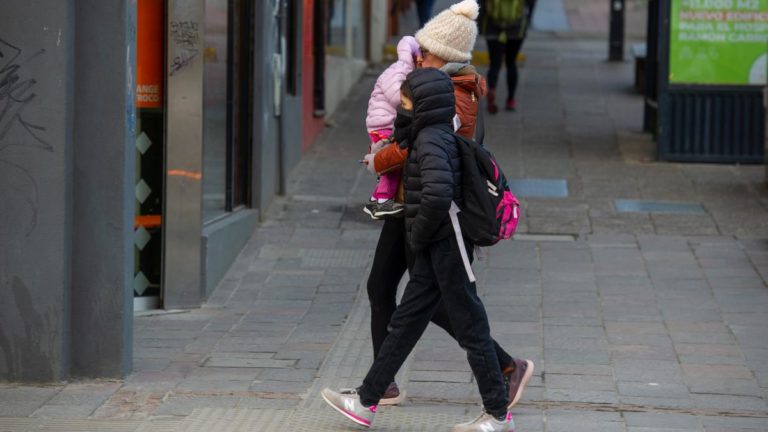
[380, 122]
[424, 10]
[432, 181]
[504, 24]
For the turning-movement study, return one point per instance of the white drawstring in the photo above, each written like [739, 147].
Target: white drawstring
[453, 212]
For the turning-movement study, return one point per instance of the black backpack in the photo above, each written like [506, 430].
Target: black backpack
[491, 211]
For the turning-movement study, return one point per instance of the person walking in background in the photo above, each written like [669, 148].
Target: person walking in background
[424, 10]
[504, 24]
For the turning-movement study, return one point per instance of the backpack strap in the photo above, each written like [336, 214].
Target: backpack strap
[454, 212]
[479, 135]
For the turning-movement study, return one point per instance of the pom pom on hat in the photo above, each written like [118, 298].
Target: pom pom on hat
[452, 33]
[468, 8]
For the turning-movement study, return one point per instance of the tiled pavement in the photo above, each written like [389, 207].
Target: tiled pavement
[636, 321]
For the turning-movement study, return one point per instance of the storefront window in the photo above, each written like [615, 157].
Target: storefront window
[337, 34]
[346, 28]
[215, 108]
[227, 133]
[150, 145]
[357, 30]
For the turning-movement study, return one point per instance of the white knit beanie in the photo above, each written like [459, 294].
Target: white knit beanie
[451, 34]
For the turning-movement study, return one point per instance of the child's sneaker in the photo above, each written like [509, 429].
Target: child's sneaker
[349, 405]
[371, 208]
[487, 423]
[511, 105]
[388, 208]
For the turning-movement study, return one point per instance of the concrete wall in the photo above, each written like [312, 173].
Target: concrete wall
[266, 158]
[292, 119]
[342, 75]
[103, 192]
[53, 206]
[222, 242]
[35, 188]
[379, 18]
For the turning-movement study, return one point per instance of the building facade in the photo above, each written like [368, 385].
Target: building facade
[140, 141]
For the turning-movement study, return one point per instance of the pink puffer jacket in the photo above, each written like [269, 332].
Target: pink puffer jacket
[386, 93]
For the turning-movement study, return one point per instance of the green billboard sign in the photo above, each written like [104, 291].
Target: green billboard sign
[718, 42]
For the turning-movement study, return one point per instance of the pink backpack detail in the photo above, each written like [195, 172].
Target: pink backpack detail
[490, 211]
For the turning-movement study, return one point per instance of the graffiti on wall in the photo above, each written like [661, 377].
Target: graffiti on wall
[185, 38]
[17, 90]
[17, 129]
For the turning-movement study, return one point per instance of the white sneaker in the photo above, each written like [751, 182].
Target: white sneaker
[348, 404]
[487, 423]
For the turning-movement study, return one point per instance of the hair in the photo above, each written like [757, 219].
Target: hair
[406, 91]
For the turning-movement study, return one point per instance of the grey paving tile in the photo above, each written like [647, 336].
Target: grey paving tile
[446, 391]
[646, 328]
[575, 343]
[643, 352]
[562, 421]
[651, 389]
[440, 376]
[663, 420]
[749, 336]
[223, 374]
[719, 386]
[215, 386]
[659, 401]
[574, 369]
[702, 338]
[580, 382]
[662, 429]
[267, 403]
[279, 386]
[756, 356]
[574, 331]
[21, 401]
[730, 403]
[723, 424]
[228, 360]
[641, 370]
[698, 371]
[745, 318]
[577, 356]
[184, 405]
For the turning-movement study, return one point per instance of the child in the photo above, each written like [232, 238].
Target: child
[380, 122]
[432, 181]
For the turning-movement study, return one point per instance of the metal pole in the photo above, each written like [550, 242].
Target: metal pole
[616, 34]
[651, 68]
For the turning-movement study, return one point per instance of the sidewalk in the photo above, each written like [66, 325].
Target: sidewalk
[637, 321]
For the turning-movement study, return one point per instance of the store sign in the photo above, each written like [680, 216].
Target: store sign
[718, 42]
[149, 54]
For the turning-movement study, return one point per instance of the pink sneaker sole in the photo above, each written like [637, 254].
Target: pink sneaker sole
[354, 418]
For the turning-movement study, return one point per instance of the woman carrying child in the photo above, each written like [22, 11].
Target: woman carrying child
[446, 43]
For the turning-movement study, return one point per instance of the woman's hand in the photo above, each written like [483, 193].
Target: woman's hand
[368, 161]
[378, 145]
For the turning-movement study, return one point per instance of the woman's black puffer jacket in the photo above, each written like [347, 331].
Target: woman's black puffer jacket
[433, 169]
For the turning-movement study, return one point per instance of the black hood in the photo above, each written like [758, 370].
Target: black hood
[433, 99]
